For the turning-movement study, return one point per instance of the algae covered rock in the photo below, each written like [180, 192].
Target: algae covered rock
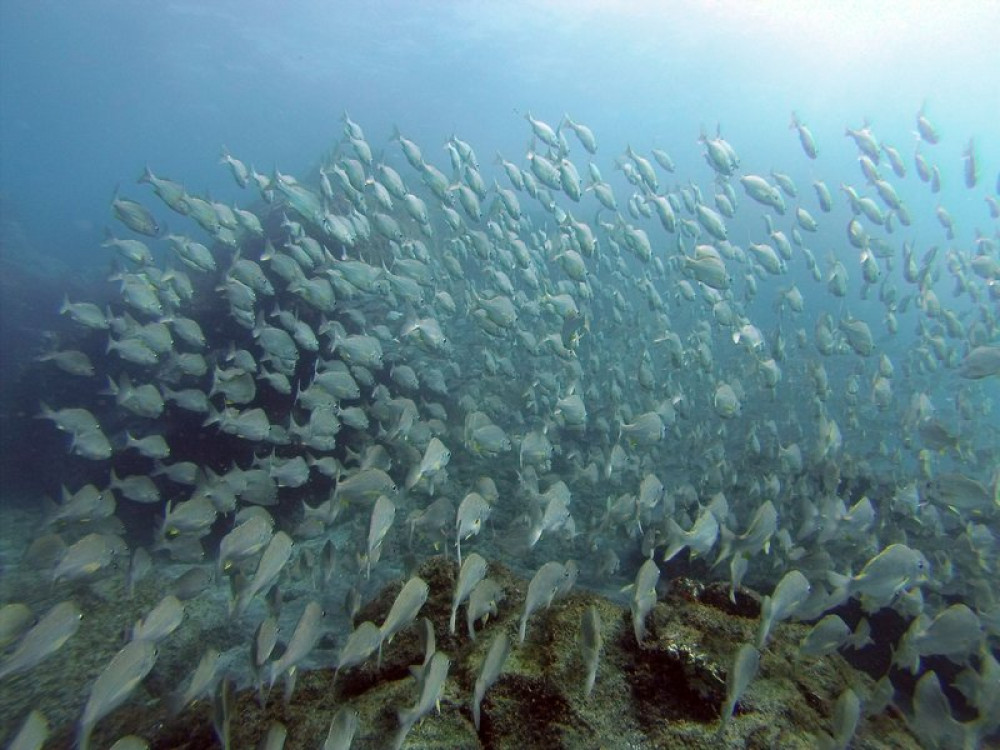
[664, 692]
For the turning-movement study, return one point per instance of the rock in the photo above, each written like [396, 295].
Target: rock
[665, 692]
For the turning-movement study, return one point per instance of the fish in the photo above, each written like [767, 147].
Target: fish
[895, 568]
[542, 589]
[135, 216]
[201, 685]
[304, 638]
[642, 596]
[591, 644]
[646, 429]
[363, 641]
[270, 565]
[436, 457]
[115, 684]
[343, 727]
[151, 446]
[955, 632]
[483, 602]
[738, 679]
[265, 639]
[383, 514]
[473, 511]
[805, 137]
[275, 738]
[788, 596]
[472, 571]
[932, 720]
[192, 517]
[700, 538]
[404, 610]
[46, 637]
[86, 557]
[489, 672]
[32, 734]
[825, 637]
[238, 169]
[954, 490]
[981, 362]
[86, 504]
[71, 361]
[161, 621]
[925, 129]
[191, 584]
[430, 694]
[245, 540]
[726, 402]
[846, 715]
[757, 537]
[15, 619]
[364, 486]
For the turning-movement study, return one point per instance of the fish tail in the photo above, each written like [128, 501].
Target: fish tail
[83, 736]
[588, 686]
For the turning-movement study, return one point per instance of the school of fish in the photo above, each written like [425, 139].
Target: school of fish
[588, 373]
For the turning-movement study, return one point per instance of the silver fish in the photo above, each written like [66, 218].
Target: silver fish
[472, 513]
[789, 594]
[360, 644]
[264, 641]
[435, 458]
[343, 726]
[489, 672]
[246, 540]
[383, 514]
[32, 734]
[886, 574]
[542, 588]
[846, 714]
[15, 619]
[473, 571]
[404, 610]
[307, 633]
[84, 558]
[738, 678]
[483, 602]
[161, 621]
[642, 597]
[135, 216]
[954, 633]
[275, 738]
[113, 686]
[430, 693]
[56, 627]
[276, 554]
[201, 684]
[825, 637]
[591, 643]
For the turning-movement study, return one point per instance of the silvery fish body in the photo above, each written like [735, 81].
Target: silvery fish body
[473, 571]
[489, 672]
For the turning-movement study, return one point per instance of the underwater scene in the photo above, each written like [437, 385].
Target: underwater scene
[499, 375]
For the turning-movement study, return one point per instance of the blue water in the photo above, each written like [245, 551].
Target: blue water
[92, 91]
